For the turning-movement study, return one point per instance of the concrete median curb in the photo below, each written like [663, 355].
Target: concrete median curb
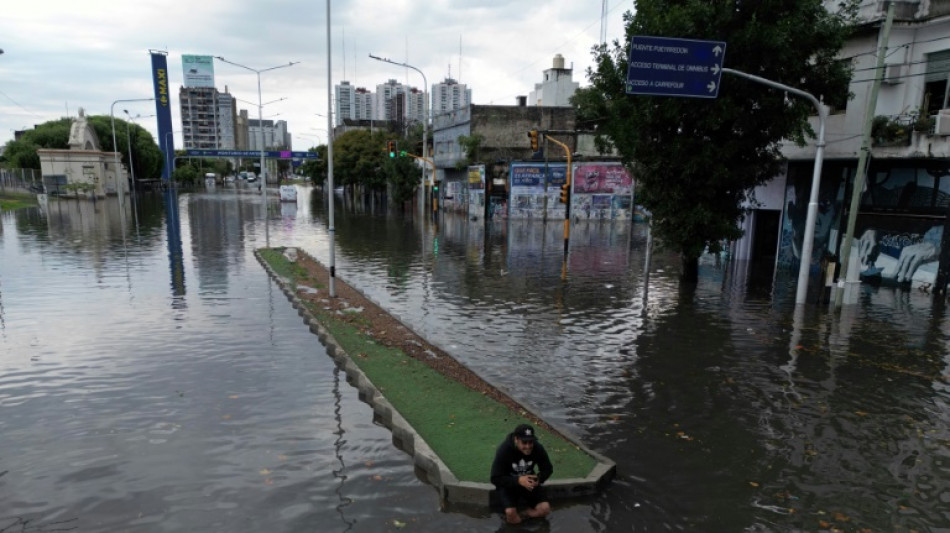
[427, 462]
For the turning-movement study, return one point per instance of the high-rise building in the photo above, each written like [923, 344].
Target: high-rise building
[390, 101]
[240, 131]
[449, 95]
[208, 118]
[227, 121]
[557, 88]
[363, 104]
[275, 134]
[352, 103]
[345, 95]
[199, 117]
[415, 105]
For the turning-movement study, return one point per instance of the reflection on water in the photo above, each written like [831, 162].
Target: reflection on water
[340, 473]
[133, 404]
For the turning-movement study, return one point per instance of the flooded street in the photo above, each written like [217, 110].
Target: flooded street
[152, 378]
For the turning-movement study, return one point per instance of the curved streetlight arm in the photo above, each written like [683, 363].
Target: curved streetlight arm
[260, 119]
[425, 110]
[809, 237]
[262, 105]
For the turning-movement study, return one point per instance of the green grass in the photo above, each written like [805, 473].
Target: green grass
[463, 427]
[11, 200]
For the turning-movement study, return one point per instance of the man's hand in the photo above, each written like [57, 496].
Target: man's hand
[529, 481]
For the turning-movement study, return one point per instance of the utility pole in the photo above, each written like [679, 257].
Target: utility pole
[861, 172]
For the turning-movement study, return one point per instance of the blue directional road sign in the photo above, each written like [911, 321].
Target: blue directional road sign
[270, 154]
[662, 66]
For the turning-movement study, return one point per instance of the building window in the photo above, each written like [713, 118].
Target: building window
[935, 82]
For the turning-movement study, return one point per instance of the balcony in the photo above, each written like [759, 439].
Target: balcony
[899, 131]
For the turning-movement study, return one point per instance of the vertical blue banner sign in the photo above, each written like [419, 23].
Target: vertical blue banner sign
[163, 111]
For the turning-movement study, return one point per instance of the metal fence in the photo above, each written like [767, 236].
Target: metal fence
[25, 180]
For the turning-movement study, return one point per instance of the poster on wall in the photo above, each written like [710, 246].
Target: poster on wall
[534, 186]
[476, 191]
[456, 196]
[602, 191]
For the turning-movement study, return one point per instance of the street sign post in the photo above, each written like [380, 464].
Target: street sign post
[663, 66]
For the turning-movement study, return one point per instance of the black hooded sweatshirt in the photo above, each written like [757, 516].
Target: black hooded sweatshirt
[510, 463]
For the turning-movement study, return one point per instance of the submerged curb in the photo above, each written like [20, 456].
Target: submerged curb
[435, 472]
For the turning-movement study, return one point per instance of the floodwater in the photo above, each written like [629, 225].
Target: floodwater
[152, 377]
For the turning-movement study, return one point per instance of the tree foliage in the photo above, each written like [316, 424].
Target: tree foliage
[146, 155]
[316, 169]
[471, 146]
[696, 160]
[361, 162]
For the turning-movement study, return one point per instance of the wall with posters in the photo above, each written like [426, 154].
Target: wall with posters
[455, 197]
[476, 191]
[601, 191]
[530, 184]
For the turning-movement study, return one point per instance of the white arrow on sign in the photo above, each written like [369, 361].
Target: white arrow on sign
[715, 69]
[711, 86]
[717, 50]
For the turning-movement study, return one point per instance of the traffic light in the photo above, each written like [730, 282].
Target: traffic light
[565, 192]
[533, 135]
[391, 148]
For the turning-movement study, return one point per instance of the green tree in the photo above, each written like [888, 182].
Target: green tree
[696, 160]
[471, 145]
[358, 159]
[403, 174]
[186, 175]
[55, 135]
[316, 169]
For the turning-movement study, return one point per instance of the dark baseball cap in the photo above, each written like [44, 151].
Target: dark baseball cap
[525, 433]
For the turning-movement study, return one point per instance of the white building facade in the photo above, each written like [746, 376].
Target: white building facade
[904, 199]
[449, 95]
[557, 88]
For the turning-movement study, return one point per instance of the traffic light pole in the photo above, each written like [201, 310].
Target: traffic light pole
[435, 201]
[567, 203]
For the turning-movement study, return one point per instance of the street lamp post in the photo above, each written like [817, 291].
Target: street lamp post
[261, 128]
[114, 147]
[425, 118]
[128, 141]
[260, 120]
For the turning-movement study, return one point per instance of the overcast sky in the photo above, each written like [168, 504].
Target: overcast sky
[62, 55]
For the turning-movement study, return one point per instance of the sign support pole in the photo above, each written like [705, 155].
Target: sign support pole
[809, 240]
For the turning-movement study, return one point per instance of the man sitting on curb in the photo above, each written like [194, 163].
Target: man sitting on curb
[512, 473]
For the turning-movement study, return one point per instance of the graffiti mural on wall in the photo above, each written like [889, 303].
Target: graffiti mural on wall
[891, 257]
[828, 218]
[899, 231]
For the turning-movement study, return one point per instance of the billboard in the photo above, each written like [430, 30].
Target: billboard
[199, 70]
[163, 114]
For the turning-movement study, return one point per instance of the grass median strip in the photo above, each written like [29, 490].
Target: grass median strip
[461, 425]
